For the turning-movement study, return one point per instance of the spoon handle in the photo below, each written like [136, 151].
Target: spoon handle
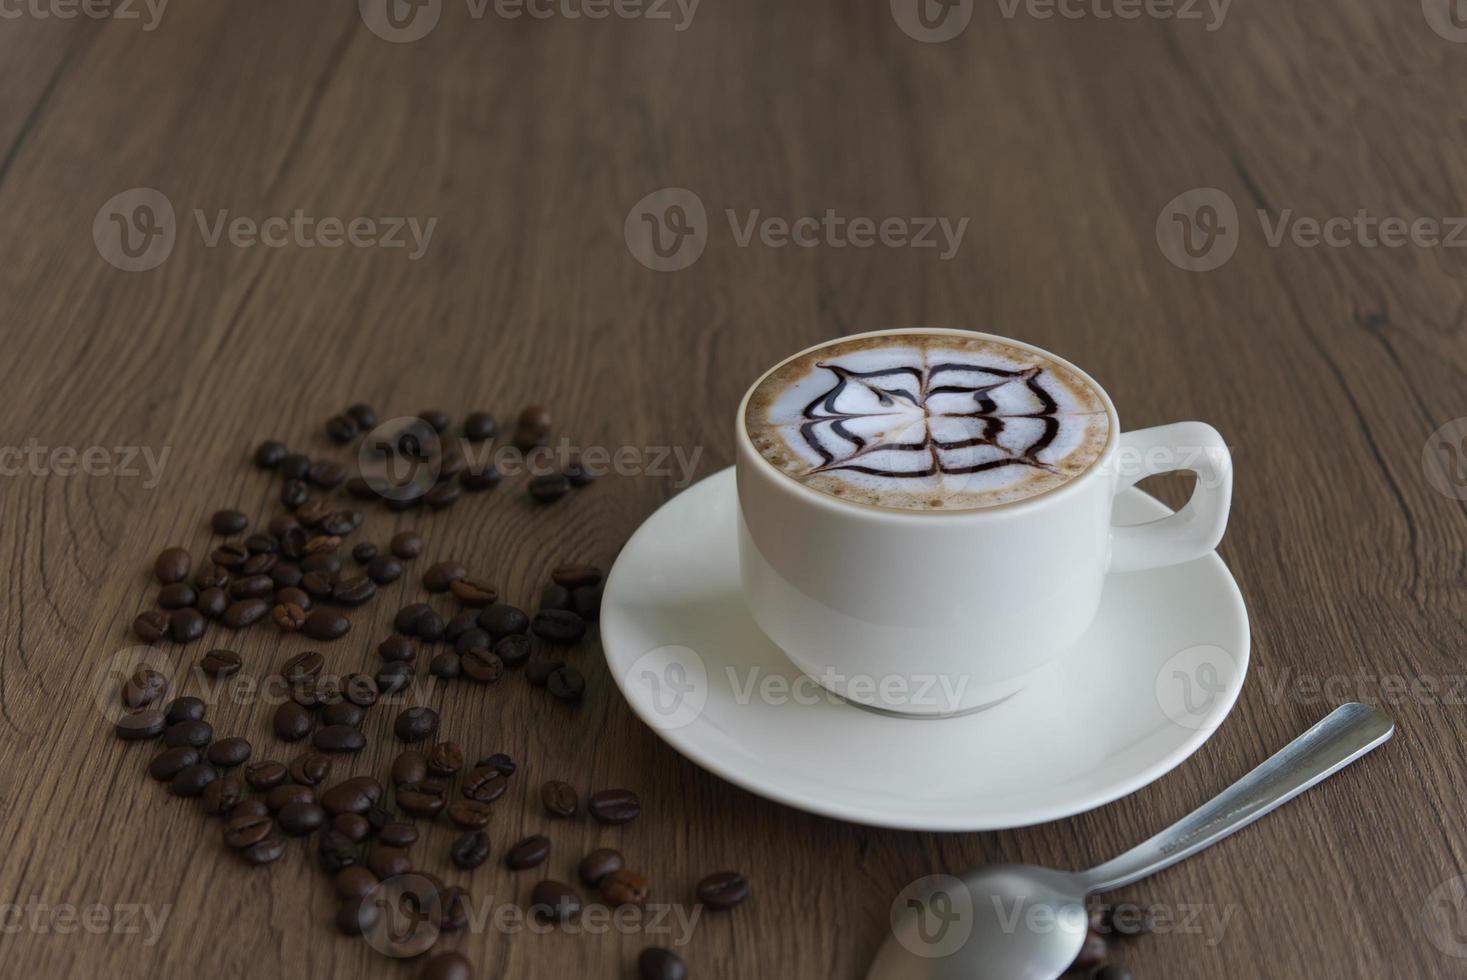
[1343, 736]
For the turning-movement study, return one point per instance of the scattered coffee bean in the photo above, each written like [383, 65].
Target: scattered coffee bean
[196, 733]
[472, 640]
[445, 759]
[318, 584]
[262, 544]
[354, 591]
[339, 738]
[325, 624]
[445, 665]
[723, 890]
[244, 831]
[323, 544]
[598, 864]
[250, 808]
[245, 612]
[527, 853]
[556, 597]
[258, 564]
[343, 713]
[439, 577]
[266, 775]
[184, 709]
[179, 595]
[295, 466]
[288, 575]
[170, 762]
[341, 429]
[327, 474]
[356, 795]
[499, 762]
[410, 766]
[454, 911]
[475, 479]
[230, 752]
[352, 826]
[384, 569]
[624, 887]
[416, 723]
[566, 683]
[513, 650]
[306, 666]
[485, 668]
[430, 626]
[422, 799]
[407, 545]
[560, 799]
[575, 576]
[395, 677]
[294, 494]
[314, 691]
[191, 780]
[360, 690]
[479, 426]
[287, 793]
[473, 593]
[269, 850]
[228, 522]
[251, 587]
[501, 620]
[143, 688]
[470, 850]
[436, 418]
[578, 473]
[220, 663]
[299, 819]
[469, 814]
[447, 966]
[615, 806]
[211, 603]
[335, 853]
[552, 901]
[1112, 971]
[269, 453]
[406, 620]
[292, 722]
[656, 963]
[229, 555]
[539, 667]
[558, 625]
[531, 427]
[338, 524]
[187, 625]
[363, 415]
[151, 626]
[398, 833]
[398, 647]
[223, 794]
[310, 769]
[460, 624]
[484, 785]
[549, 488]
[354, 883]
[443, 496]
[587, 600]
[289, 617]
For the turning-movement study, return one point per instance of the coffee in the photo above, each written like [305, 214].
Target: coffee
[928, 421]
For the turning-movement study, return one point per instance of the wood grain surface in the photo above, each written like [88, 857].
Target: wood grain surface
[1060, 139]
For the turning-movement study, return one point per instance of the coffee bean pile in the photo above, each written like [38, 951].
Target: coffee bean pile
[293, 573]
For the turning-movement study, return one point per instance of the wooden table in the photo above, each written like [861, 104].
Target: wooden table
[1060, 140]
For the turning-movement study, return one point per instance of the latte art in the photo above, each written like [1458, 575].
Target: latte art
[928, 421]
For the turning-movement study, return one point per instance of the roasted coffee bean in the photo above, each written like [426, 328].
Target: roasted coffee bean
[549, 488]
[479, 426]
[295, 466]
[656, 963]
[624, 887]
[311, 513]
[354, 883]
[527, 853]
[598, 864]
[406, 620]
[560, 799]
[325, 624]
[250, 808]
[260, 564]
[575, 576]
[211, 603]
[293, 595]
[356, 917]
[143, 688]
[363, 415]
[472, 640]
[303, 667]
[288, 617]
[230, 752]
[578, 473]
[229, 555]
[484, 785]
[228, 522]
[445, 759]
[179, 595]
[327, 474]
[151, 625]
[485, 668]
[280, 524]
[335, 853]
[453, 915]
[191, 780]
[223, 795]
[343, 713]
[1112, 971]
[615, 806]
[469, 814]
[1093, 952]
[556, 597]
[439, 577]
[473, 593]
[195, 733]
[288, 575]
[470, 850]
[266, 775]
[587, 600]
[187, 625]
[430, 626]
[245, 612]
[474, 479]
[552, 901]
[287, 793]
[539, 668]
[251, 587]
[243, 831]
[294, 493]
[460, 624]
[446, 665]
[137, 726]
[356, 795]
[437, 418]
[299, 819]
[395, 677]
[262, 544]
[220, 663]
[407, 544]
[501, 620]
[384, 569]
[723, 890]
[354, 591]
[387, 862]
[499, 762]
[410, 766]
[360, 488]
[360, 690]
[184, 709]
[341, 429]
[398, 648]
[319, 584]
[398, 833]
[363, 552]
[310, 769]
[352, 826]
[269, 453]
[338, 738]
[533, 423]
[170, 762]
[447, 966]
[292, 722]
[293, 543]
[313, 692]
[513, 650]
[322, 561]
[340, 523]
[269, 850]
[416, 723]
[422, 799]
[323, 544]
[558, 625]
[443, 496]
[566, 683]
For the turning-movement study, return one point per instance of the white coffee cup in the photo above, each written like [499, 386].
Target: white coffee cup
[932, 613]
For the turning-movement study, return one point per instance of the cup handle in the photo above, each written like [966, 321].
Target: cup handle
[1192, 531]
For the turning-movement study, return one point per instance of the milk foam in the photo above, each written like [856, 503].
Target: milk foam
[928, 421]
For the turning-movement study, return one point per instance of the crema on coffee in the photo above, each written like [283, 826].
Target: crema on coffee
[928, 421]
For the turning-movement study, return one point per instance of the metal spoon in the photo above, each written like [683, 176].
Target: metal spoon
[1021, 922]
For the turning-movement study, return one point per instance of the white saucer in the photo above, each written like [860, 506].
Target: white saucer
[1155, 676]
